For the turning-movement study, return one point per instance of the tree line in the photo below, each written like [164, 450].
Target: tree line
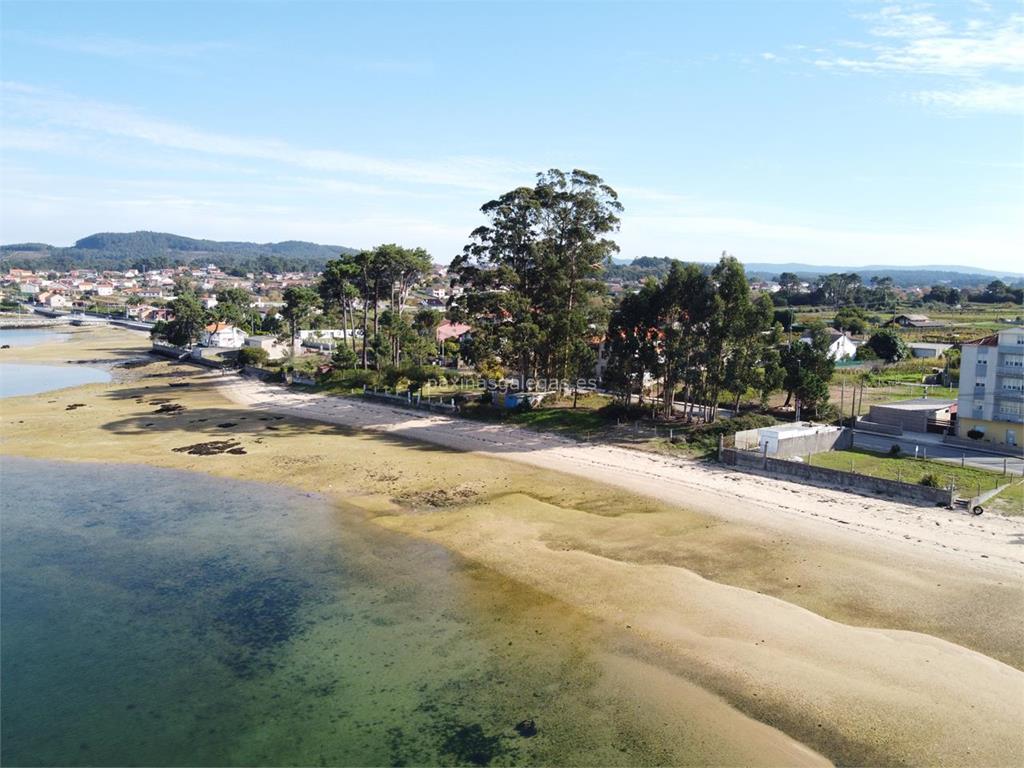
[536, 302]
[363, 293]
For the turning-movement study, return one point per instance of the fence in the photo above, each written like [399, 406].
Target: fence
[408, 400]
[835, 478]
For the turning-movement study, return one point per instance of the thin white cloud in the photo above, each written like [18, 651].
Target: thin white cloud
[969, 53]
[26, 106]
[975, 57]
[1004, 99]
[893, 21]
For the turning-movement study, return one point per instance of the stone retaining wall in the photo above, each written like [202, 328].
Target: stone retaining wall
[836, 479]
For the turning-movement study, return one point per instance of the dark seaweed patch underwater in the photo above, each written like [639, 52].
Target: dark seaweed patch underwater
[156, 617]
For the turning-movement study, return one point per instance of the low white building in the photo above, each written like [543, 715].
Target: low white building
[224, 335]
[275, 349]
[840, 345]
[793, 440]
[926, 349]
[327, 334]
[57, 301]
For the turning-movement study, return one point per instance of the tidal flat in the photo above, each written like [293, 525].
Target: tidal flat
[593, 586]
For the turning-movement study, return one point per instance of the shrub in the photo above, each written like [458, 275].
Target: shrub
[865, 352]
[895, 450]
[617, 410]
[889, 345]
[352, 378]
[252, 356]
[930, 481]
[344, 357]
[827, 412]
[361, 377]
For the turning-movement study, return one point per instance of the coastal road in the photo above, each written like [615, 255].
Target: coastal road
[934, 448]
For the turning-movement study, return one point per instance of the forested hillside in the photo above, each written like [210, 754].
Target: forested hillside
[641, 268]
[154, 250]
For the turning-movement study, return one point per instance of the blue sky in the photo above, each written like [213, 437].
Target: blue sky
[827, 132]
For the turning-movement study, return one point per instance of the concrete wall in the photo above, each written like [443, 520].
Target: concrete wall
[179, 353]
[874, 426]
[746, 439]
[259, 373]
[837, 479]
[828, 439]
[912, 421]
[833, 439]
[994, 438]
[168, 350]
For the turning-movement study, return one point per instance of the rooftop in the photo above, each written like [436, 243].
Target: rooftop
[797, 427]
[917, 404]
[929, 345]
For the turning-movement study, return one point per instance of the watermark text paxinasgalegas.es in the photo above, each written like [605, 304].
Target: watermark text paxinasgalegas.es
[514, 385]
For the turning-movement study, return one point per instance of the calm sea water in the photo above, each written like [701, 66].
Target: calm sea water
[156, 617]
[22, 379]
[26, 337]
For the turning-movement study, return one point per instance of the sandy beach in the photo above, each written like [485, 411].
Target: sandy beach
[992, 543]
[818, 623]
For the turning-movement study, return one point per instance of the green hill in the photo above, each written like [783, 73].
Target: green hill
[156, 250]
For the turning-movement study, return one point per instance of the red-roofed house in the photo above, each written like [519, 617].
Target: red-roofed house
[449, 330]
[224, 335]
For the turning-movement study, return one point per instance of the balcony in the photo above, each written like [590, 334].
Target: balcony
[1010, 370]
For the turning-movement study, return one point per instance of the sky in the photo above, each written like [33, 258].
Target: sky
[828, 132]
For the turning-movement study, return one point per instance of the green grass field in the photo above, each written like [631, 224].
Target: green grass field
[967, 480]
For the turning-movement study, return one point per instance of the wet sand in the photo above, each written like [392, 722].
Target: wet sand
[867, 652]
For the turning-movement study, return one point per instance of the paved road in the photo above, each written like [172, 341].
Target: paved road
[936, 449]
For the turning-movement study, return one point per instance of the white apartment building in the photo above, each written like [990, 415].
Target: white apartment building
[991, 404]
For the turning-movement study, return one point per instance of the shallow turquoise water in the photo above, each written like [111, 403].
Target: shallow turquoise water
[23, 379]
[157, 617]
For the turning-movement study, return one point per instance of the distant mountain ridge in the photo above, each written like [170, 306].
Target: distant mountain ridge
[643, 267]
[875, 269]
[123, 250]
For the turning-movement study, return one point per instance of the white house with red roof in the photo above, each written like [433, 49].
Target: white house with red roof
[224, 335]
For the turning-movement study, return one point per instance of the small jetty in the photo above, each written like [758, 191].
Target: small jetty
[11, 321]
